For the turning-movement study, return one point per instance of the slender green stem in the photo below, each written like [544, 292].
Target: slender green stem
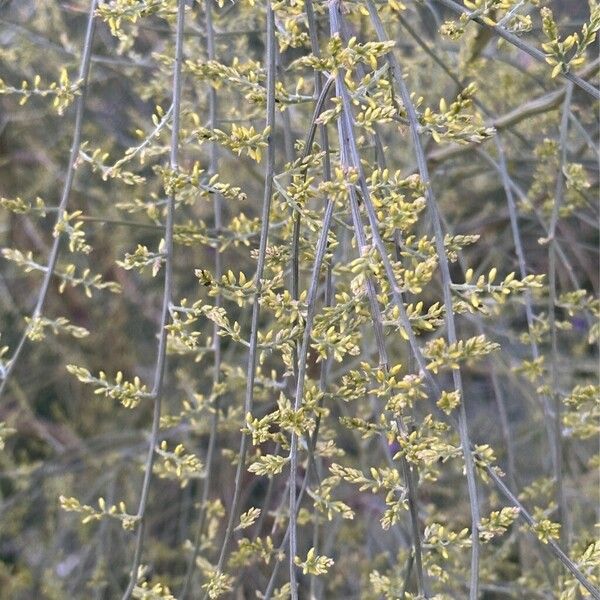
[447, 294]
[216, 340]
[563, 510]
[161, 354]
[84, 75]
[262, 252]
[516, 41]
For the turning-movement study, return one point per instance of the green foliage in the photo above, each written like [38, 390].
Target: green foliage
[314, 564]
[353, 319]
[128, 393]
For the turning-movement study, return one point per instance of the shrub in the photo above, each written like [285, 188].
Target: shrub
[299, 299]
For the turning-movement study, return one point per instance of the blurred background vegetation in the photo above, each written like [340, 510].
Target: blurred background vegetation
[65, 440]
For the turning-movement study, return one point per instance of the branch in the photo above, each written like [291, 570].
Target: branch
[262, 251]
[446, 285]
[218, 223]
[558, 200]
[538, 106]
[516, 41]
[84, 73]
[161, 354]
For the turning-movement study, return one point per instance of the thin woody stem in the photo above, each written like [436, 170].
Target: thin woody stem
[161, 354]
[563, 511]
[447, 294]
[516, 41]
[84, 75]
[262, 252]
[216, 341]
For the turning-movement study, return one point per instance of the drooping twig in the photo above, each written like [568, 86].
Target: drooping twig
[346, 137]
[311, 304]
[556, 549]
[262, 252]
[447, 294]
[161, 354]
[328, 291]
[84, 74]
[531, 108]
[516, 41]
[558, 200]
[216, 341]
